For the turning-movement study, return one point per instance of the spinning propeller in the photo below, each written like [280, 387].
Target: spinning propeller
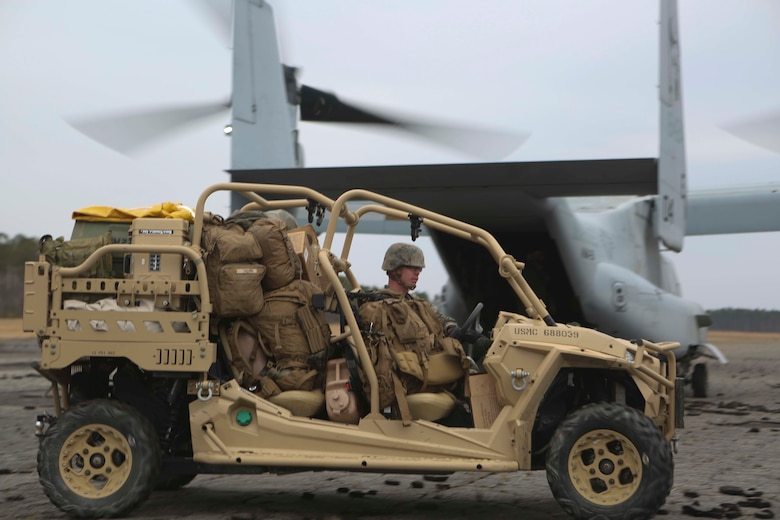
[129, 131]
[763, 130]
[126, 132]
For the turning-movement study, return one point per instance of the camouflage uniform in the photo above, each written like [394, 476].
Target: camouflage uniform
[400, 255]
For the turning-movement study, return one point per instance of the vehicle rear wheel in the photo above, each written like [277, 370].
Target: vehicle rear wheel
[99, 459]
[699, 380]
[607, 460]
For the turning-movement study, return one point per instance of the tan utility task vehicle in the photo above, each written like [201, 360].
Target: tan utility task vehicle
[158, 376]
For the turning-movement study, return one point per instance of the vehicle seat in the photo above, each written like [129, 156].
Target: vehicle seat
[430, 406]
[301, 403]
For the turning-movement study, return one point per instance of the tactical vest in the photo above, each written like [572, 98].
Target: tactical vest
[409, 350]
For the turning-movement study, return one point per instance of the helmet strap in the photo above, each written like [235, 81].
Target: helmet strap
[395, 276]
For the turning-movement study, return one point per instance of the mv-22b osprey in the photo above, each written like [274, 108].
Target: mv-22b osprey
[593, 261]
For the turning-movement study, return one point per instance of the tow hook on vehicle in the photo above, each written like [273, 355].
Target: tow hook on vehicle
[521, 374]
[209, 388]
[41, 421]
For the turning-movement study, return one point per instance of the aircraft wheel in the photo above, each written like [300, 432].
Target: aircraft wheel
[99, 459]
[607, 460]
[699, 380]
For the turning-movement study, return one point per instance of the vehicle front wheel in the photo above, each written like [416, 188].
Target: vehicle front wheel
[100, 459]
[607, 460]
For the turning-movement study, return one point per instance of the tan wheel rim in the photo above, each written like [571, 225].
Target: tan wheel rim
[95, 461]
[605, 467]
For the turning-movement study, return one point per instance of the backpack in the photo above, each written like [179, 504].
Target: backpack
[247, 360]
[233, 269]
[294, 335]
[409, 350]
[282, 264]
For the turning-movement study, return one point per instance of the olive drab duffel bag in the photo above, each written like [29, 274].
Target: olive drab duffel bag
[70, 253]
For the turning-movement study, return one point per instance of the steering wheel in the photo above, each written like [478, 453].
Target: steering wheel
[473, 320]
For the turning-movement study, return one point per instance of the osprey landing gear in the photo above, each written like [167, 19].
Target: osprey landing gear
[699, 380]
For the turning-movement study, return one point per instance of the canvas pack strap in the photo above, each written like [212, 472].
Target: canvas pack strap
[400, 397]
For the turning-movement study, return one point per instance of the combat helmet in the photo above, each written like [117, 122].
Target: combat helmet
[401, 254]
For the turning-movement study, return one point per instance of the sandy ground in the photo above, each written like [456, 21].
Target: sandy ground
[731, 439]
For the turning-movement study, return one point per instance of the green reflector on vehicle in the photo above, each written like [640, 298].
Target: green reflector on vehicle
[244, 417]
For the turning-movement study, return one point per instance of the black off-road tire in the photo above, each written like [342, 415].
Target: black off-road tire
[100, 459]
[609, 461]
[699, 380]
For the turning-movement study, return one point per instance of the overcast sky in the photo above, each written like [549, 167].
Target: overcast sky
[580, 77]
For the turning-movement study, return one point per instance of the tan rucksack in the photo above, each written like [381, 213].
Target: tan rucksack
[294, 335]
[233, 267]
[248, 361]
[282, 264]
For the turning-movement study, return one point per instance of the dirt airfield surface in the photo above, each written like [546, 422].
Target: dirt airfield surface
[731, 440]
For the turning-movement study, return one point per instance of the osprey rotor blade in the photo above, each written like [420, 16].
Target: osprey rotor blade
[763, 130]
[129, 131]
[319, 106]
[486, 144]
[218, 14]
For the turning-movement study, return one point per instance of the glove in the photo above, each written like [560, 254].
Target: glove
[466, 335]
[455, 332]
[470, 336]
[481, 346]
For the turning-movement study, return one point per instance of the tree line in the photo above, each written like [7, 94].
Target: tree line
[15, 251]
[745, 320]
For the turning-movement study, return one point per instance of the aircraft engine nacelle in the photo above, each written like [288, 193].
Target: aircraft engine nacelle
[635, 308]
